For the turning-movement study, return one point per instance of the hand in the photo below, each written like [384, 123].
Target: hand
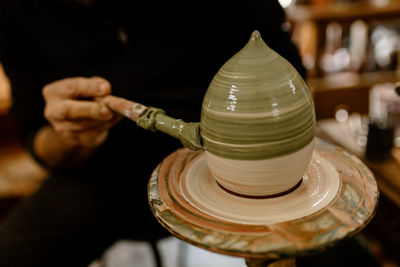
[72, 111]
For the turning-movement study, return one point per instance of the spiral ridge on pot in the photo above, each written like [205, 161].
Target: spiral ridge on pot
[257, 106]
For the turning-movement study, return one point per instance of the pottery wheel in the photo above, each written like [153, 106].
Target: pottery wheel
[336, 199]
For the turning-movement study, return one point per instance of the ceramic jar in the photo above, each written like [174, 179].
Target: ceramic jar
[258, 122]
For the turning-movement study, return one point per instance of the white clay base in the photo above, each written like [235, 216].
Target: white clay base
[260, 177]
[320, 185]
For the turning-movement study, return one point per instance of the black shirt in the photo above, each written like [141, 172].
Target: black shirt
[161, 54]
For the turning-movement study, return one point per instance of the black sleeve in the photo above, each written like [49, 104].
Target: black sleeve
[269, 17]
[20, 65]
[235, 21]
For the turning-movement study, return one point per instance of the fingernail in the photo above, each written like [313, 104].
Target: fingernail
[103, 87]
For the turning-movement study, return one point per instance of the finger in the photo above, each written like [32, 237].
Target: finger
[82, 127]
[78, 87]
[93, 136]
[109, 124]
[78, 110]
[104, 126]
[87, 87]
[96, 140]
[89, 138]
[127, 108]
[93, 139]
[77, 126]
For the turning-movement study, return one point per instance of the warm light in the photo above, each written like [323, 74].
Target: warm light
[385, 42]
[5, 91]
[308, 61]
[285, 3]
[341, 59]
[341, 115]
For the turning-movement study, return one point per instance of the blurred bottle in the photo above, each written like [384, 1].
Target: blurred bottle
[334, 57]
[384, 121]
[380, 140]
[358, 43]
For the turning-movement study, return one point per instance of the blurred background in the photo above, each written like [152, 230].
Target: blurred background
[351, 49]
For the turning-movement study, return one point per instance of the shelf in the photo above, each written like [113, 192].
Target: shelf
[343, 12]
[350, 90]
[350, 80]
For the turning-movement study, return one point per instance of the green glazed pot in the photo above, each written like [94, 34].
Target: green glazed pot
[258, 122]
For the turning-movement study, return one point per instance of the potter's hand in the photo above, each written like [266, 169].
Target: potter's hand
[72, 112]
[78, 123]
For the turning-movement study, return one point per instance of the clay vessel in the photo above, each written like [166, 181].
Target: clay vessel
[257, 123]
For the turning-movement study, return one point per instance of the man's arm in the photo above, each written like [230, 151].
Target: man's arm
[59, 128]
